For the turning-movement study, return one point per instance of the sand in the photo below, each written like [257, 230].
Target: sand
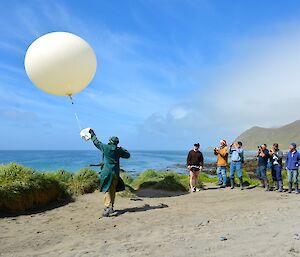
[254, 222]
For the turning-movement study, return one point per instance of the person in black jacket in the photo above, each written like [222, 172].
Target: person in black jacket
[194, 163]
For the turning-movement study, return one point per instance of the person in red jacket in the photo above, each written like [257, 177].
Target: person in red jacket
[194, 163]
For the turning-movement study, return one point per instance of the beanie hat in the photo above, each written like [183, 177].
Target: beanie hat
[114, 140]
[223, 141]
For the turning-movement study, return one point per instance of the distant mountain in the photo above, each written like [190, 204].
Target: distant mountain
[284, 135]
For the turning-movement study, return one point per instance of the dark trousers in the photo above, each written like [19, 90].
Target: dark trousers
[261, 172]
[276, 172]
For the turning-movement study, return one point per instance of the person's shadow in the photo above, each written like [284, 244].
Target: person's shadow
[146, 207]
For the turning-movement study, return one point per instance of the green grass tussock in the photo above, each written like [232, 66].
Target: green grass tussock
[22, 188]
[83, 182]
[168, 181]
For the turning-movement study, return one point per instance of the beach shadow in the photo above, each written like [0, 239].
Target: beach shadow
[252, 187]
[157, 193]
[236, 187]
[38, 209]
[146, 207]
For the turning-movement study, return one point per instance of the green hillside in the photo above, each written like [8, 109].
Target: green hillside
[284, 135]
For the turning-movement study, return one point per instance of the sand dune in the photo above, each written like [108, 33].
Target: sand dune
[255, 223]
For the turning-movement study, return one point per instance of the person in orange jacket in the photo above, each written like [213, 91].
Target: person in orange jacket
[222, 161]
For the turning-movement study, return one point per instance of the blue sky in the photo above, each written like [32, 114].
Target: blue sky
[170, 73]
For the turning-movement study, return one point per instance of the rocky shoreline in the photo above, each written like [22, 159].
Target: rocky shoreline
[210, 168]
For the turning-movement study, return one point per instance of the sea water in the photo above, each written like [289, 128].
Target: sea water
[73, 160]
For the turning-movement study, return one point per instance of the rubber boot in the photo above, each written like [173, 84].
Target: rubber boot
[267, 187]
[296, 188]
[232, 183]
[107, 212]
[241, 183]
[276, 185]
[280, 189]
[290, 187]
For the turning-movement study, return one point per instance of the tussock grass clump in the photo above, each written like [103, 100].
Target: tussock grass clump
[83, 182]
[168, 181]
[22, 188]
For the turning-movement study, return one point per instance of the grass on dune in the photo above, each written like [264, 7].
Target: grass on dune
[82, 182]
[22, 188]
[169, 181]
[172, 181]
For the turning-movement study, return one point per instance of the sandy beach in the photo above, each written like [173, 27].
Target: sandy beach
[255, 223]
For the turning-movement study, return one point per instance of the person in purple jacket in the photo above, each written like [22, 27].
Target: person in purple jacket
[292, 166]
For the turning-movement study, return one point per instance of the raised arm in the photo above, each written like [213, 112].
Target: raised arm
[265, 153]
[223, 152]
[95, 140]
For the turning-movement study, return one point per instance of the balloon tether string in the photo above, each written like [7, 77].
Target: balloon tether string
[76, 116]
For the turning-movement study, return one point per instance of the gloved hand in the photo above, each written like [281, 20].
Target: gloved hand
[91, 131]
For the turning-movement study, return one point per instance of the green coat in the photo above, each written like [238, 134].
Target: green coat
[111, 159]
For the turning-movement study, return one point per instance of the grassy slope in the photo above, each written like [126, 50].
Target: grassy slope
[284, 135]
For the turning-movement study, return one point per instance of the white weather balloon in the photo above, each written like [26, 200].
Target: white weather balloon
[60, 63]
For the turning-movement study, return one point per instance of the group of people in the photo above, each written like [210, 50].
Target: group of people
[272, 159]
[110, 181]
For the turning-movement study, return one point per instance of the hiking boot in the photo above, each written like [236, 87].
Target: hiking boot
[290, 187]
[241, 183]
[296, 188]
[232, 183]
[280, 189]
[107, 212]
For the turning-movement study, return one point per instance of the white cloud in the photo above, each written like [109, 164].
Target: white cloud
[178, 113]
[18, 115]
[260, 86]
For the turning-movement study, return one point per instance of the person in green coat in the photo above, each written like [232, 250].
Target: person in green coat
[110, 181]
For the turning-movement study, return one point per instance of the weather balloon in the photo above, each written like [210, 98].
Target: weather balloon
[60, 63]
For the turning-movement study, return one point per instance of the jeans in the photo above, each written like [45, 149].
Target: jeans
[221, 172]
[276, 172]
[292, 175]
[261, 172]
[235, 167]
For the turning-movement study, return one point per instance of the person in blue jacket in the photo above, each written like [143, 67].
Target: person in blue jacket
[110, 181]
[292, 166]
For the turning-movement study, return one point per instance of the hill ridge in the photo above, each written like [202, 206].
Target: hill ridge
[283, 135]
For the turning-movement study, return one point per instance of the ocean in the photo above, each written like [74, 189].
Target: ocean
[73, 160]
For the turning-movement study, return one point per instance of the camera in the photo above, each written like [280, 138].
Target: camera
[275, 158]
